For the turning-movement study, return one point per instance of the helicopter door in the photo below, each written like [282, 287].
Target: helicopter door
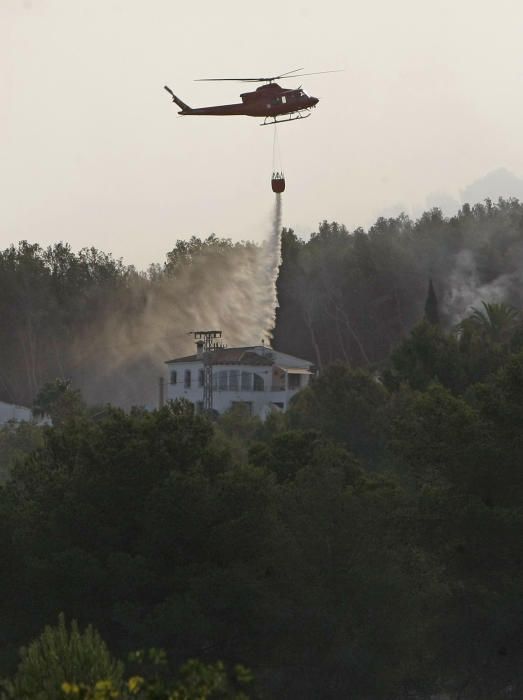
[284, 99]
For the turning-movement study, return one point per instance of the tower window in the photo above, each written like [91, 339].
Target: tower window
[222, 380]
[294, 381]
[187, 379]
[234, 380]
[258, 384]
[246, 381]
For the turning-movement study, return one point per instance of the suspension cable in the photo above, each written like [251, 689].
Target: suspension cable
[277, 163]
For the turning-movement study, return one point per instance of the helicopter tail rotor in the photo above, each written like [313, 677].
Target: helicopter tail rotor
[179, 102]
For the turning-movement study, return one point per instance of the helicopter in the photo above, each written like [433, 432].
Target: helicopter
[269, 100]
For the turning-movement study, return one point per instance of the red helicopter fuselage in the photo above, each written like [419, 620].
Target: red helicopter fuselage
[266, 101]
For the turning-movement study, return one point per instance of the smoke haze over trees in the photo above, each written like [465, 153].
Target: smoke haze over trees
[108, 328]
[342, 295]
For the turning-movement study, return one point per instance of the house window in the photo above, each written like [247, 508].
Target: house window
[258, 384]
[199, 407]
[293, 381]
[173, 378]
[187, 379]
[222, 380]
[201, 377]
[246, 381]
[234, 380]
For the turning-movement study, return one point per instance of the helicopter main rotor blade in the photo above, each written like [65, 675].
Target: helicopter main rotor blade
[243, 80]
[321, 72]
[284, 76]
[239, 80]
[250, 80]
[288, 73]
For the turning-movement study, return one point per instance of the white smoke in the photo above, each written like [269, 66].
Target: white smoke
[230, 289]
[466, 291]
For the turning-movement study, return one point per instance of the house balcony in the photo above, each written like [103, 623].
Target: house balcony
[265, 390]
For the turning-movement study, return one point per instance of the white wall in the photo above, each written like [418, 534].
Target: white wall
[261, 401]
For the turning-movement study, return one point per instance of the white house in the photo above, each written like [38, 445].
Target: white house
[12, 412]
[258, 377]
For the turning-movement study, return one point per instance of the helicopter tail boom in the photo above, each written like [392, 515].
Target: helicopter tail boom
[179, 102]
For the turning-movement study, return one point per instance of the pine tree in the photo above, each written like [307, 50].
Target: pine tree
[431, 306]
[61, 655]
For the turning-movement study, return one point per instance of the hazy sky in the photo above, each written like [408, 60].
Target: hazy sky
[92, 150]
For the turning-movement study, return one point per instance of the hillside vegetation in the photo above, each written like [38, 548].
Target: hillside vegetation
[365, 545]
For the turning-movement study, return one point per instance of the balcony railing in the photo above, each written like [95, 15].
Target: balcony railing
[270, 389]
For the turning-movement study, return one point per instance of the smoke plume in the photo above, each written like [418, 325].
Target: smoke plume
[465, 289]
[232, 289]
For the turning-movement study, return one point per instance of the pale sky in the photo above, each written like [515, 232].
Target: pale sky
[92, 150]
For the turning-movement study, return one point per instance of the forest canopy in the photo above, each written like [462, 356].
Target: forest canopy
[366, 544]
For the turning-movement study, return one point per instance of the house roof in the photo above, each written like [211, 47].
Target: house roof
[295, 370]
[229, 356]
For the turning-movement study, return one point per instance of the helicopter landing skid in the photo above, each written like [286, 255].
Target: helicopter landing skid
[275, 120]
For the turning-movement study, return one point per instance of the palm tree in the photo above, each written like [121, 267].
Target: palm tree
[495, 321]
